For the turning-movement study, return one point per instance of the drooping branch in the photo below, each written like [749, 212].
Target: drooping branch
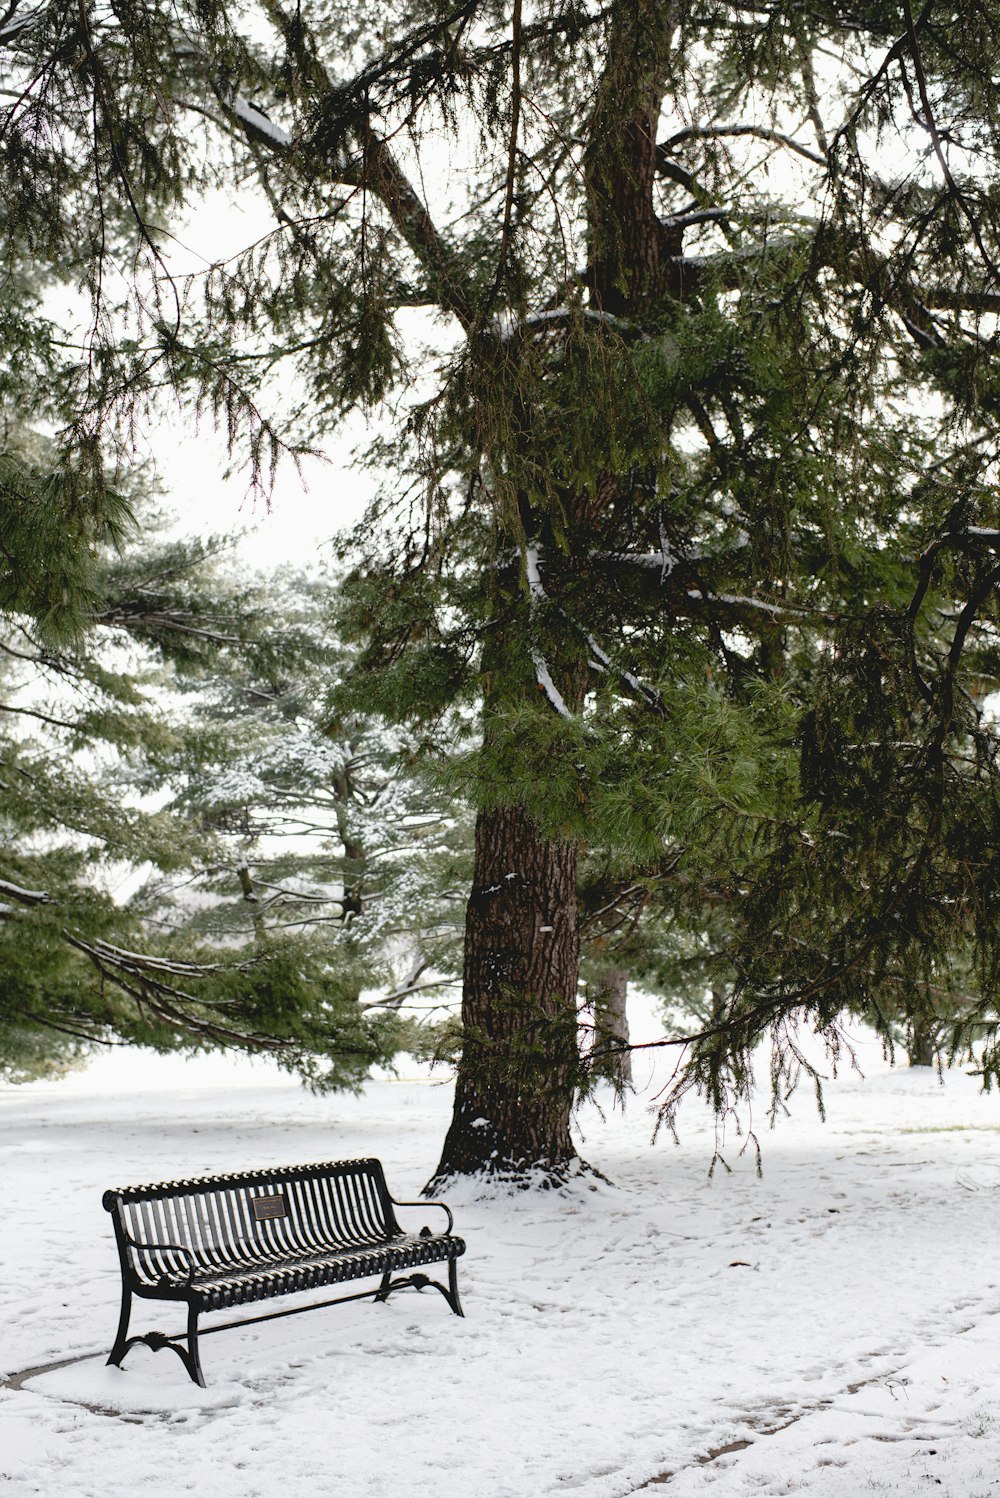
[932, 129]
[377, 170]
[666, 148]
[143, 978]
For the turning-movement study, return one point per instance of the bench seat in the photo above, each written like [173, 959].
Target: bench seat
[237, 1287]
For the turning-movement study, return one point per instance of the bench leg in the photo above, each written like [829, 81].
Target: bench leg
[193, 1360]
[422, 1282]
[452, 1295]
[121, 1343]
[156, 1341]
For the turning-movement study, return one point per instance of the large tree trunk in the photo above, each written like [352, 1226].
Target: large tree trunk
[517, 1075]
[520, 1057]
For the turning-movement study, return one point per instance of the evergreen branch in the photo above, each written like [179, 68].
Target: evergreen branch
[635, 897]
[383, 174]
[36, 713]
[109, 119]
[935, 135]
[135, 974]
[41, 658]
[812, 94]
[400, 995]
[12, 25]
[147, 962]
[380, 170]
[988, 584]
[22, 896]
[172, 622]
[90, 1037]
[726, 268]
[388, 65]
[925, 567]
[736, 606]
[893, 53]
[665, 148]
[537, 595]
[293, 896]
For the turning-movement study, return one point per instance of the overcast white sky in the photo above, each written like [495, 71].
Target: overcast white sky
[303, 514]
[305, 510]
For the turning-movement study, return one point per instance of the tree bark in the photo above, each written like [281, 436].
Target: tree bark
[517, 1075]
[920, 1042]
[520, 1057]
[611, 1028]
[633, 257]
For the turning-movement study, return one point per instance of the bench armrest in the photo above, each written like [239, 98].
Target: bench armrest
[174, 1248]
[441, 1205]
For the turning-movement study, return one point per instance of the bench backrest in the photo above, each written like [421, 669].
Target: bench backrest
[258, 1217]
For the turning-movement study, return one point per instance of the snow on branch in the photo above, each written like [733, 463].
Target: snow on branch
[16, 24]
[561, 317]
[663, 561]
[760, 605]
[24, 896]
[548, 686]
[600, 660]
[537, 595]
[258, 122]
[536, 588]
[144, 962]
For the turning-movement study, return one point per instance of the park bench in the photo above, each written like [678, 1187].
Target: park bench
[217, 1242]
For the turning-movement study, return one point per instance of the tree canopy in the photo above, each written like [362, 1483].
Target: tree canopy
[691, 498]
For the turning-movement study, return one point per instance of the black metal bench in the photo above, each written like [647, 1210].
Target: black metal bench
[223, 1241]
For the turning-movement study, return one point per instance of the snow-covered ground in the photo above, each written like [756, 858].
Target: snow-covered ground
[831, 1330]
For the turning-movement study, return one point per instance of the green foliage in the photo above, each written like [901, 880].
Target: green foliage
[693, 500]
[116, 731]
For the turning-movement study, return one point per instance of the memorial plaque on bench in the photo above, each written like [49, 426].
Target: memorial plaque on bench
[267, 1208]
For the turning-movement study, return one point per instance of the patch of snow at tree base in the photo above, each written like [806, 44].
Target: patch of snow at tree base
[612, 1336]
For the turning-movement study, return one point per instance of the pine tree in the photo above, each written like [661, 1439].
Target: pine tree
[699, 514]
[110, 715]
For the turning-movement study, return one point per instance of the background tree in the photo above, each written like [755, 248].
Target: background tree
[128, 911]
[698, 512]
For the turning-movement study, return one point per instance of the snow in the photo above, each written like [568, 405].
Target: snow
[663, 561]
[259, 121]
[535, 586]
[544, 678]
[24, 896]
[560, 316]
[537, 594]
[14, 25]
[828, 1331]
[740, 601]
